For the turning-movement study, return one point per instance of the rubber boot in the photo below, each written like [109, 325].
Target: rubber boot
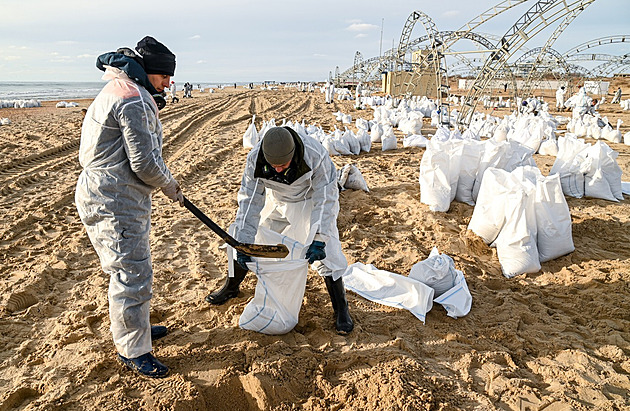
[343, 321]
[230, 288]
[146, 365]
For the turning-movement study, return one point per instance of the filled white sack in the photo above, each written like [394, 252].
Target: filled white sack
[365, 142]
[603, 180]
[349, 177]
[571, 165]
[516, 244]
[439, 172]
[488, 215]
[457, 301]
[415, 140]
[387, 288]
[437, 271]
[250, 138]
[548, 148]
[276, 304]
[388, 140]
[468, 167]
[553, 219]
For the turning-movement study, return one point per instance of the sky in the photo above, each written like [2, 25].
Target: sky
[252, 41]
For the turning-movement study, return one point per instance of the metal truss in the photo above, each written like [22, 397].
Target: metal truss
[541, 15]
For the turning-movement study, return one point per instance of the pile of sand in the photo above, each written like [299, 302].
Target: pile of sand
[558, 339]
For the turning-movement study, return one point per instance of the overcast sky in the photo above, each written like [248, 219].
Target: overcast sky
[238, 40]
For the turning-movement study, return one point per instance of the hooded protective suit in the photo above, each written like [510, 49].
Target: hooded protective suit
[310, 202]
[121, 156]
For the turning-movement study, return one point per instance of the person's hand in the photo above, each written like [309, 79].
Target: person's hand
[242, 260]
[316, 251]
[173, 191]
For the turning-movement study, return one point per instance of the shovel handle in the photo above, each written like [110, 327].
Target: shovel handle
[211, 224]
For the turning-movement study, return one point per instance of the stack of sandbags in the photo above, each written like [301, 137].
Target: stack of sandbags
[525, 216]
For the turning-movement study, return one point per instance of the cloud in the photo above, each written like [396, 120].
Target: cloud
[11, 58]
[361, 27]
[360, 35]
[450, 13]
[67, 42]
[195, 37]
[319, 55]
[18, 47]
[201, 61]
[85, 56]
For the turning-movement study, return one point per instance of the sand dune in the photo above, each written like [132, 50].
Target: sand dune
[555, 340]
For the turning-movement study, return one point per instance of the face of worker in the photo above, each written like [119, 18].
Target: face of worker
[280, 168]
[159, 81]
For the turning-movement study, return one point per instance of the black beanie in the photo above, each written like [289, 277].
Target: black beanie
[157, 58]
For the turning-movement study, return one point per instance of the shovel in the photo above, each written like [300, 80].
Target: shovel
[254, 250]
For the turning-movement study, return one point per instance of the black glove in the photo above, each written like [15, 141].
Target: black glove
[242, 260]
[316, 251]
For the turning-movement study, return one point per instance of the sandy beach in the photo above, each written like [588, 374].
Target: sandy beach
[555, 340]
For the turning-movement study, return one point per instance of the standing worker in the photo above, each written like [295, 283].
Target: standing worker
[560, 93]
[302, 181]
[617, 97]
[121, 156]
[173, 89]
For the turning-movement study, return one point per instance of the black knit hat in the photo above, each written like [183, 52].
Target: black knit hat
[157, 58]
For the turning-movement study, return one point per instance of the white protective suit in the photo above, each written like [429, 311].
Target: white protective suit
[560, 93]
[121, 156]
[580, 102]
[308, 208]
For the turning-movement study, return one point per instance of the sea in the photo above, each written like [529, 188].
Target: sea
[53, 91]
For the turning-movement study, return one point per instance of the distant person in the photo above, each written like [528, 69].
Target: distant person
[560, 94]
[505, 87]
[330, 92]
[357, 96]
[617, 98]
[121, 156]
[173, 90]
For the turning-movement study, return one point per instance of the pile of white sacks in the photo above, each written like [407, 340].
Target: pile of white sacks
[4, 121]
[66, 104]
[19, 103]
[525, 216]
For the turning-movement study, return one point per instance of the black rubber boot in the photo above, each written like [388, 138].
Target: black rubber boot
[158, 331]
[146, 365]
[343, 321]
[230, 288]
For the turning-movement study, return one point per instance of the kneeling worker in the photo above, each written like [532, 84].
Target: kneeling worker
[302, 184]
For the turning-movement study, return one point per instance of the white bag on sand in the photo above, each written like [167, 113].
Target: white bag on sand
[437, 271]
[387, 288]
[250, 138]
[516, 243]
[603, 180]
[457, 301]
[388, 140]
[349, 177]
[548, 148]
[553, 219]
[376, 133]
[439, 172]
[365, 142]
[280, 285]
[278, 297]
[468, 166]
[350, 141]
[488, 215]
[571, 165]
[415, 140]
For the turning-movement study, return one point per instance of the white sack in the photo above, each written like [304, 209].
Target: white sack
[437, 271]
[415, 140]
[377, 132]
[250, 138]
[365, 142]
[488, 215]
[548, 148]
[388, 140]
[349, 177]
[468, 166]
[439, 172]
[276, 304]
[389, 289]
[457, 301]
[516, 243]
[553, 219]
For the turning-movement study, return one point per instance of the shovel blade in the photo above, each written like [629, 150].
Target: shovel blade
[263, 250]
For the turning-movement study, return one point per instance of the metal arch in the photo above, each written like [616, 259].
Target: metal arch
[539, 16]
[594, 57]
[602, 41]
[358, 58]
[535, 75]
[429, 27]
[606, 69]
